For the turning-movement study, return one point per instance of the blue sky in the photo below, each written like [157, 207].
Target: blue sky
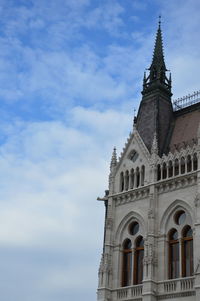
[70, 77]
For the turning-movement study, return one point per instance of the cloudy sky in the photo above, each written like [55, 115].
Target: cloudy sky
[70, 77]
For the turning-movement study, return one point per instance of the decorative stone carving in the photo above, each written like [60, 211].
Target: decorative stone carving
[151, 214]
[109, 223]
[154, 148]
[197, 200]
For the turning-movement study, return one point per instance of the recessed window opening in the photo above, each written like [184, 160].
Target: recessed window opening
[182, 165]
[176, 167]
[132, 179]
[173, 254]
[195, 162]
[180, 217]
[187, 250]
[122, 181]
[170, 169]
[138, 260]
[127, 263]
[134, 228]
[164, 171]
[189, 163]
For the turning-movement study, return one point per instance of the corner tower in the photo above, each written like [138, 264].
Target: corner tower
[151, 248]
[155, 112]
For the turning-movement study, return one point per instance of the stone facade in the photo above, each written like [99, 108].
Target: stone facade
[150, 187]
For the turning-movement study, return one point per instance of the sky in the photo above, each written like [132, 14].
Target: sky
[70, 78]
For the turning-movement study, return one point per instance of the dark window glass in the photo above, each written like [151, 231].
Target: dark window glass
[134, 228]
[189, 163]
[187, 254]
[164, 170]
[176, 167]
[180, 217]
[195, 162]
[170, 169]
[188, 258]
[182, 165]
[174, 260]
[173, 254]
[127, 263]
[158, 172]
[139, 255]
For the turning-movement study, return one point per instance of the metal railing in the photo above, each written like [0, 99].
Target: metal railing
[186, 101]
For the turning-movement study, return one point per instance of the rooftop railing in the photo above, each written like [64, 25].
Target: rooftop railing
[186, 101]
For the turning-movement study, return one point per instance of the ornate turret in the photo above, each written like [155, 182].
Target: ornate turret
[155, 112]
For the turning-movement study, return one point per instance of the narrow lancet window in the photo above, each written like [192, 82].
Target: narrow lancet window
[187, 252]
[127, 263]
[138, 260]
[173, 254]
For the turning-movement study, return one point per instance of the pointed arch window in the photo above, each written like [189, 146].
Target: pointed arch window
[138, 260]
[164, 171]
[158, 172]
[182, 165]
[187, 252]
[127, 263]
[122, 181]
[173, 254]
[127, 180]
[142, 175]
[195, 162]
[189, 163]
[137, 177]
[176, 171]
[170, 169]
[132, 179]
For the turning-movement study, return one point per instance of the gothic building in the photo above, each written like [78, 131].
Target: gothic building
[152, 222]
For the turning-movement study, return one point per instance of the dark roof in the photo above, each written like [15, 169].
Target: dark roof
[185, 127]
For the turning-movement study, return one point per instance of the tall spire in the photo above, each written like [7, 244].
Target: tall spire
[155, 114]
[157, 71]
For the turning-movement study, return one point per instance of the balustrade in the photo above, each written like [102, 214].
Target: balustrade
[132, 292]
[186, 101]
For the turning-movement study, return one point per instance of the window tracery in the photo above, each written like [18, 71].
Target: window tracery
[180, 246]
[132, 256]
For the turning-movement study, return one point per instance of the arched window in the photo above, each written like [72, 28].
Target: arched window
[173, 254]
[132, 179]
[138, 260]
[158, 172]
[195, 162]
[182, 165]
[122, 181]
[142, 175]
[189, 163]
[170, 169]
[137, 177]
[187, 252]
[176, 169]
[164, 171]
[127, 263]
[127, 180]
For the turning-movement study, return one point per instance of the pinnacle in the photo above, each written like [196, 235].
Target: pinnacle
[113, 162]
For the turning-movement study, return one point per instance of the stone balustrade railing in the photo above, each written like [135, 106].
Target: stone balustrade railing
[178, 285]
[129, 292]
[172, 287]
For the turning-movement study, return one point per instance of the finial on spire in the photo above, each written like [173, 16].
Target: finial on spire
[159, 21]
